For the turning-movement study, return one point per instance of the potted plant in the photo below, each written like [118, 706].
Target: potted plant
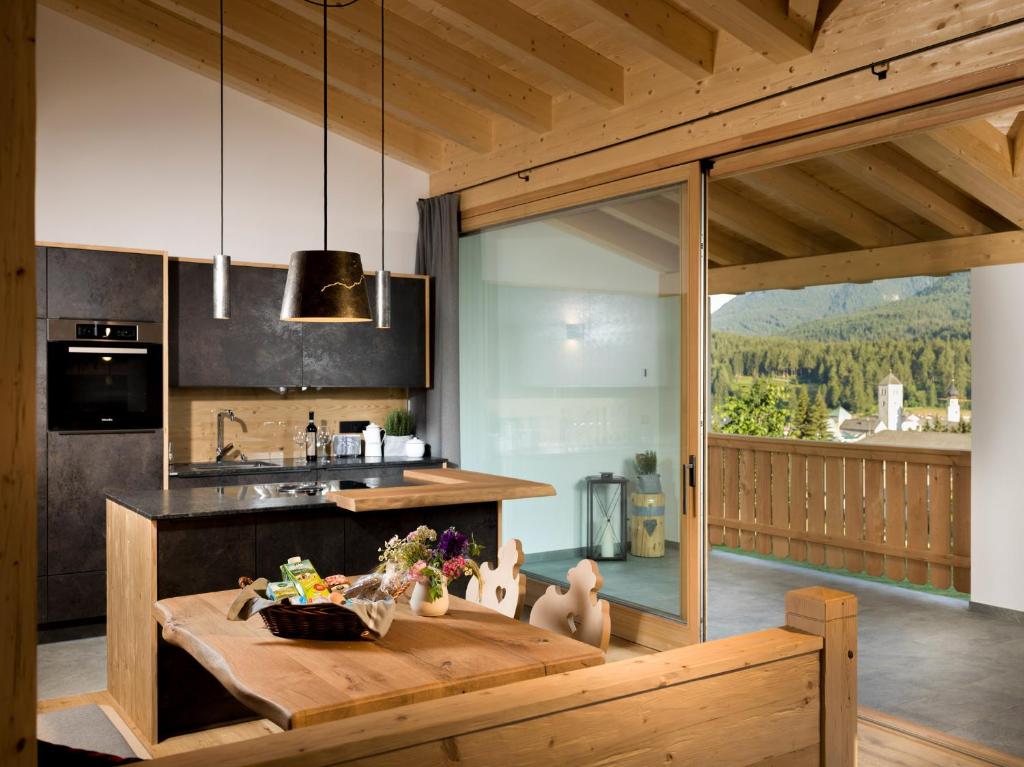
[399, 426]
[648, 480]
[431, 563]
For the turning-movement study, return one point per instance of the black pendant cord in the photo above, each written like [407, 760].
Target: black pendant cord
[221, 126]
[382, 135]
[325, 127]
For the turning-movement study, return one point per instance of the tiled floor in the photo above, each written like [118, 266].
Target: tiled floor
[923, 657]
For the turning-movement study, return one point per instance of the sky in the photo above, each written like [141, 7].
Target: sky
[717, 302]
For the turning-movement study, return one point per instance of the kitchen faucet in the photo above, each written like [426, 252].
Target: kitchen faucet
[223, 449]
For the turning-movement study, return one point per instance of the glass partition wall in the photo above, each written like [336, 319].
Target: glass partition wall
[570, 339]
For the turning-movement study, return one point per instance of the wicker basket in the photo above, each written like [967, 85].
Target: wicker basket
[321, 621]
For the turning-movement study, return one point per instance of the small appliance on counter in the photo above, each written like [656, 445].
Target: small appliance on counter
[348, 442]
[373, 436]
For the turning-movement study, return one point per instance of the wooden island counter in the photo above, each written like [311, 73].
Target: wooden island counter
[171, 543]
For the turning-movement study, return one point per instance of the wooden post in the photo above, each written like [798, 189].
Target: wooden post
[832, 615]
[17, 383]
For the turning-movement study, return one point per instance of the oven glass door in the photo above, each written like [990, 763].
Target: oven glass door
[96, 386]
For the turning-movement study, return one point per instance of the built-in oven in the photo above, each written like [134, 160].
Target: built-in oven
[104, 375]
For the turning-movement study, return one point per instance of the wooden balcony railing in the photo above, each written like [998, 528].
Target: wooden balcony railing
[901, 513]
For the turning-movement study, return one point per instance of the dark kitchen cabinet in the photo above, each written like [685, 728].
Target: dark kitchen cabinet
[40, 282]
[96, 284]
[359, 355]
[41, 440]
[253, 348]
[80, 470]
[200, 555]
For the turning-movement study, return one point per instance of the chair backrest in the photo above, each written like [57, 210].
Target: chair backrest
[576, 613]
[504, 587]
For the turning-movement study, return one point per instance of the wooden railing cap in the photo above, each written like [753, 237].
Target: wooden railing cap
[821, 603]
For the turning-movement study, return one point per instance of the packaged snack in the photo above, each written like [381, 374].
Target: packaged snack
[304, 576]
[336, 582]
[285, 590]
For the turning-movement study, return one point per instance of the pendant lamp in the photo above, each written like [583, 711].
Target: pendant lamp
[383, 292]
[221, 261]
[325, 285]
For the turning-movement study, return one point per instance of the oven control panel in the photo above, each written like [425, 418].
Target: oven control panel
[98, 331]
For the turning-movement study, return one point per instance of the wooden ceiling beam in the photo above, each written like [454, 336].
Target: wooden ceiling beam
[725, 249]
[730, 209]
[763, 25]
[506, 27]
[662, 29]
[804, 13]
[656, 215]
[898, 177]
[631, 243]
[975, 157]
[437, 61]
[1016, 138]
[832, 209]
[934, 258]
[184, 42]
[295, 41]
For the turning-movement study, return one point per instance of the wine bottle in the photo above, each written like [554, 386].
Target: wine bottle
[311, 439]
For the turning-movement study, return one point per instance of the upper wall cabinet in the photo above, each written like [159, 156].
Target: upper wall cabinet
[101, 285]
[253, 348]
[358, 354]
[40, 283]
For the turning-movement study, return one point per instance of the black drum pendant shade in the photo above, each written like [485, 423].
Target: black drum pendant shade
[325, 286]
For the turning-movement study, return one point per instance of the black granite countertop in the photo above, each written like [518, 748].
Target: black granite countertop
[292, 465]
[197, 502]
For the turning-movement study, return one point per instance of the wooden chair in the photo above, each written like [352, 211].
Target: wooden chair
[504, 587]
[576, 613]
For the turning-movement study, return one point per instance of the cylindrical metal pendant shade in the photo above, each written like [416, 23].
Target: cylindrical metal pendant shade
[383, 300]
[221, 287]
[325, 286]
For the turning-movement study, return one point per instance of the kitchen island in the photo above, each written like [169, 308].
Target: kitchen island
[170, 543]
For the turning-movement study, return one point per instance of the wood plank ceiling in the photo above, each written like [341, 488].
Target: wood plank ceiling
[502, 84]
[951, 183]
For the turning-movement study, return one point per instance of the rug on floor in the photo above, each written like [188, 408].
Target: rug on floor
[85, 727]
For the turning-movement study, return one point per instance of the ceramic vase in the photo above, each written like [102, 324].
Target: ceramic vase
[421, 604]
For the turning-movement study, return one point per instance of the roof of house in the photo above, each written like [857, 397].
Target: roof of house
[861, 424]
[890, 380]
[930, 440]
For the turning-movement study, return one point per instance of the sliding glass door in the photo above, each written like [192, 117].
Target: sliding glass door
[575, 355]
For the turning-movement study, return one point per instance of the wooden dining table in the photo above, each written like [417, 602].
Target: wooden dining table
[297, 683]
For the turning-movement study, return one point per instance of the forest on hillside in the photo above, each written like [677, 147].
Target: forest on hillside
[847, 371]
[843, 339]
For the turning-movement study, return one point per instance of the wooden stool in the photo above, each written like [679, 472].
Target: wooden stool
[647, 525]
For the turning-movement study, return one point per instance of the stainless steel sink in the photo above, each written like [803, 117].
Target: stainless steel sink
[212, 466]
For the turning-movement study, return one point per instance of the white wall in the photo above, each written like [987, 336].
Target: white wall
[997, 412]
[128, 156]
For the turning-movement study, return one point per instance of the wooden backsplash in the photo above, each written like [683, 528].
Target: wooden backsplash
[267, 420]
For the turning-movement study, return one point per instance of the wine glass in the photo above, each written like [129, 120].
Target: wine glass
[299, 438]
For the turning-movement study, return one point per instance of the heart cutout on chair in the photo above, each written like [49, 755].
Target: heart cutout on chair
[500, 593]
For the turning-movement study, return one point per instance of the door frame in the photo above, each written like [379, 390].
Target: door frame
[691, 179]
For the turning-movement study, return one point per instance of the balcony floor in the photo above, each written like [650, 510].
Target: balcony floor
[923, 657]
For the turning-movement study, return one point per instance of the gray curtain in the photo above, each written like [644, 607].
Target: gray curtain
[437, 254]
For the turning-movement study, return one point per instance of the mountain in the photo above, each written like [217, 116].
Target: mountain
[912, 307]
[939, 310]
[775, 312]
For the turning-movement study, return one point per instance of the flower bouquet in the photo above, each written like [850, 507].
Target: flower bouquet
[431, 562]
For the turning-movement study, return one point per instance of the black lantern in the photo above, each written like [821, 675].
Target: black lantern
[606, 517]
